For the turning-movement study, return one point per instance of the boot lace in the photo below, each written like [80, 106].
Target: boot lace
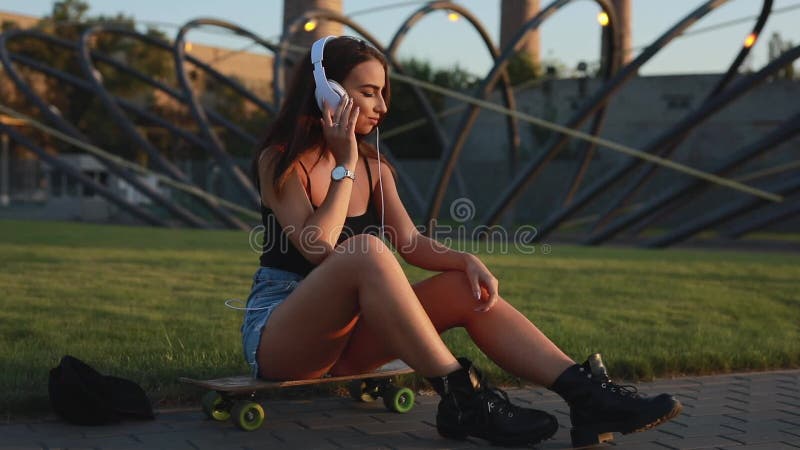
[497, 401]
[605, 382]
[622, 389]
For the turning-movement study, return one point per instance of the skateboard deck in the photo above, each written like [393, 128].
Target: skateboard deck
[234, 397]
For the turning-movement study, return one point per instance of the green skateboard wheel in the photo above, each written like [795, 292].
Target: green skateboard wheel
[248, 416]
[213, 406]
[399, 400]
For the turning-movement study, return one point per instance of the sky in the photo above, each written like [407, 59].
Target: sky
[570, 36]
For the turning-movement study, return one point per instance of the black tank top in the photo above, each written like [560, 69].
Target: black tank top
[279, 252]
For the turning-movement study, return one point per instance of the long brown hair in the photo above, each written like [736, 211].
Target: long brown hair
[297, 127]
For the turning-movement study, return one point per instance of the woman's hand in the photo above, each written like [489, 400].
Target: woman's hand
[484, 284]
[338, 127]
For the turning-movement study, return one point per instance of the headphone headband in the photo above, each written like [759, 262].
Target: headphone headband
[318, 49]
[326, 89]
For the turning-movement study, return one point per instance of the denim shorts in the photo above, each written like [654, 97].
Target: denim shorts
[270, 288]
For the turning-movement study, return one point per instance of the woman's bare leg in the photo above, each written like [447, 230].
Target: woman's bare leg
[503, 333]
[361, 281]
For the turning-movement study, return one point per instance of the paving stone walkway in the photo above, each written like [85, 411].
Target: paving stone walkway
[739, 411]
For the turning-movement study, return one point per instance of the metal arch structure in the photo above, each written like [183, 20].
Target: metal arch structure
[613, 57]
[508, 94]
[110, 103]
[241, 180]
[725, 91]
[55, 118]
[648, 170]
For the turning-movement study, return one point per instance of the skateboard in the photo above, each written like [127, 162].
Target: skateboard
[234, 398]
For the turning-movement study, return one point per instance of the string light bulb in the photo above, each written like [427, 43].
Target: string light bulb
[311, 25]
[602, 18]
[750, 40]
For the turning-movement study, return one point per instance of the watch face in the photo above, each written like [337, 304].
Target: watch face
[338, 173]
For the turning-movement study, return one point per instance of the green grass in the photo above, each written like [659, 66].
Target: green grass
[147, 304]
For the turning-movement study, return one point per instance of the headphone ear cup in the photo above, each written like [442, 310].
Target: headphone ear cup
[332, 92]
[339, 91]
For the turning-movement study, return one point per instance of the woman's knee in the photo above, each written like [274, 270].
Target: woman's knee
[364, 248]
[365, 257]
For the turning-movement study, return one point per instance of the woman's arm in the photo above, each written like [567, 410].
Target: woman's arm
[414, 247]
[313, 233]
[426, 253]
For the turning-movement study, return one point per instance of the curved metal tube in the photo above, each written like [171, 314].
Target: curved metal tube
[155, 42]
[174, 93]
[649, 169]
[119, 116]
[695, 118]
[127, 105]
[600, 97]
[218, 148]
[723, 214]
[597, 123]
[483, 92]
[181, 213]
[508, 94]
[774, 214]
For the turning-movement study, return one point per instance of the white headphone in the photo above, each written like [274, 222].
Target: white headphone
[326, 89]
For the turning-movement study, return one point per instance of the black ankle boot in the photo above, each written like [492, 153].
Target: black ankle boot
[598, 407]
[471, 407]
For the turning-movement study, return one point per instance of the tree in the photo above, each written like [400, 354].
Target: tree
[521, 68]
[777, 46]
[421, 142]
[68, 20]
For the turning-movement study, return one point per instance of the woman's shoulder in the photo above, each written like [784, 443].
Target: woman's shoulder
[378, 163]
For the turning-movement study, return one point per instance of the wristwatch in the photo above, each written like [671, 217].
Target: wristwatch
[339, 172]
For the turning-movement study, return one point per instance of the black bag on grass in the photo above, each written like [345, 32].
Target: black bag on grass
[81, 395]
